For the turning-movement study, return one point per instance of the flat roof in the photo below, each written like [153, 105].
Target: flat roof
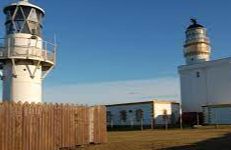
[210, 63]
[145, 102]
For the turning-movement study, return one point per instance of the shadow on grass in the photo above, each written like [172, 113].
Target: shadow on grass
[220, 143]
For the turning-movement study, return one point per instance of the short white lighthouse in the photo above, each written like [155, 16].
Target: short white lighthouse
[25, 58]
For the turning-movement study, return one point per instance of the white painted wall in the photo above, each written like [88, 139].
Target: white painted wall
[172, 113]
[22, 87]
[211, 87]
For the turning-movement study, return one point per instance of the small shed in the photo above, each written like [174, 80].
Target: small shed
[147, 113]
[217, 114]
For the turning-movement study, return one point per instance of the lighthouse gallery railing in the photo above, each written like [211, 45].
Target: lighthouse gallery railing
[9, 49]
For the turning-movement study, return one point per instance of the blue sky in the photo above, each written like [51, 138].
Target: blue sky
[110, 50]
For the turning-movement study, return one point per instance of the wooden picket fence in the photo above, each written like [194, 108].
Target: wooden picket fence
[50, 126]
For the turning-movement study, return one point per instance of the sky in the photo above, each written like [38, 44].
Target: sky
[113, 51]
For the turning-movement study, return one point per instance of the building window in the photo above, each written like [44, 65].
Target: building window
[109, 116]
[123, 116]
[139, 115]
[198, 74]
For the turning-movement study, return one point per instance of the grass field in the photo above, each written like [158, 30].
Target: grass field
[188, 139]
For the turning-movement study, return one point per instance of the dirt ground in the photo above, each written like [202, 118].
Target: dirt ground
[187, 139]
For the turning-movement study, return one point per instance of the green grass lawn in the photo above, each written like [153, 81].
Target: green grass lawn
[188, 139]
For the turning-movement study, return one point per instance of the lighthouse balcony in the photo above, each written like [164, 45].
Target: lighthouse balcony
[31, 49]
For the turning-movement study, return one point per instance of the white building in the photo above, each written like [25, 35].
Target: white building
[207, 83]
[203, 81]
[148, 113]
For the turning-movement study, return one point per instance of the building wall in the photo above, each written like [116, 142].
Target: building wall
[217, 115]
[205, 84]
[166, 112]
[150, 110]
[131, 114]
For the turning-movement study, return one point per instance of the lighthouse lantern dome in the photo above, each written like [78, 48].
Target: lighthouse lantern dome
[23, 17]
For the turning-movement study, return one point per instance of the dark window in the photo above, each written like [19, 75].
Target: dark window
[26, 11]
[123, 115]
[198, 74]
[10, 29]
[109, 116]
[19, 14]
[139, 115]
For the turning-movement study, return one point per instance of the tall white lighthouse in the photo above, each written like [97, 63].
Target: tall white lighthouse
[25, 58]
[203, 81]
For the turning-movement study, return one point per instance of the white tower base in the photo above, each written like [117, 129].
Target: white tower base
[22, 82]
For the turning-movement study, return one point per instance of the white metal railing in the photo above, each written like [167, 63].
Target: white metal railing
[27, 48]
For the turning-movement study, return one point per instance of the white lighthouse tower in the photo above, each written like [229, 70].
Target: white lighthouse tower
[197, 45]
[25, 58]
